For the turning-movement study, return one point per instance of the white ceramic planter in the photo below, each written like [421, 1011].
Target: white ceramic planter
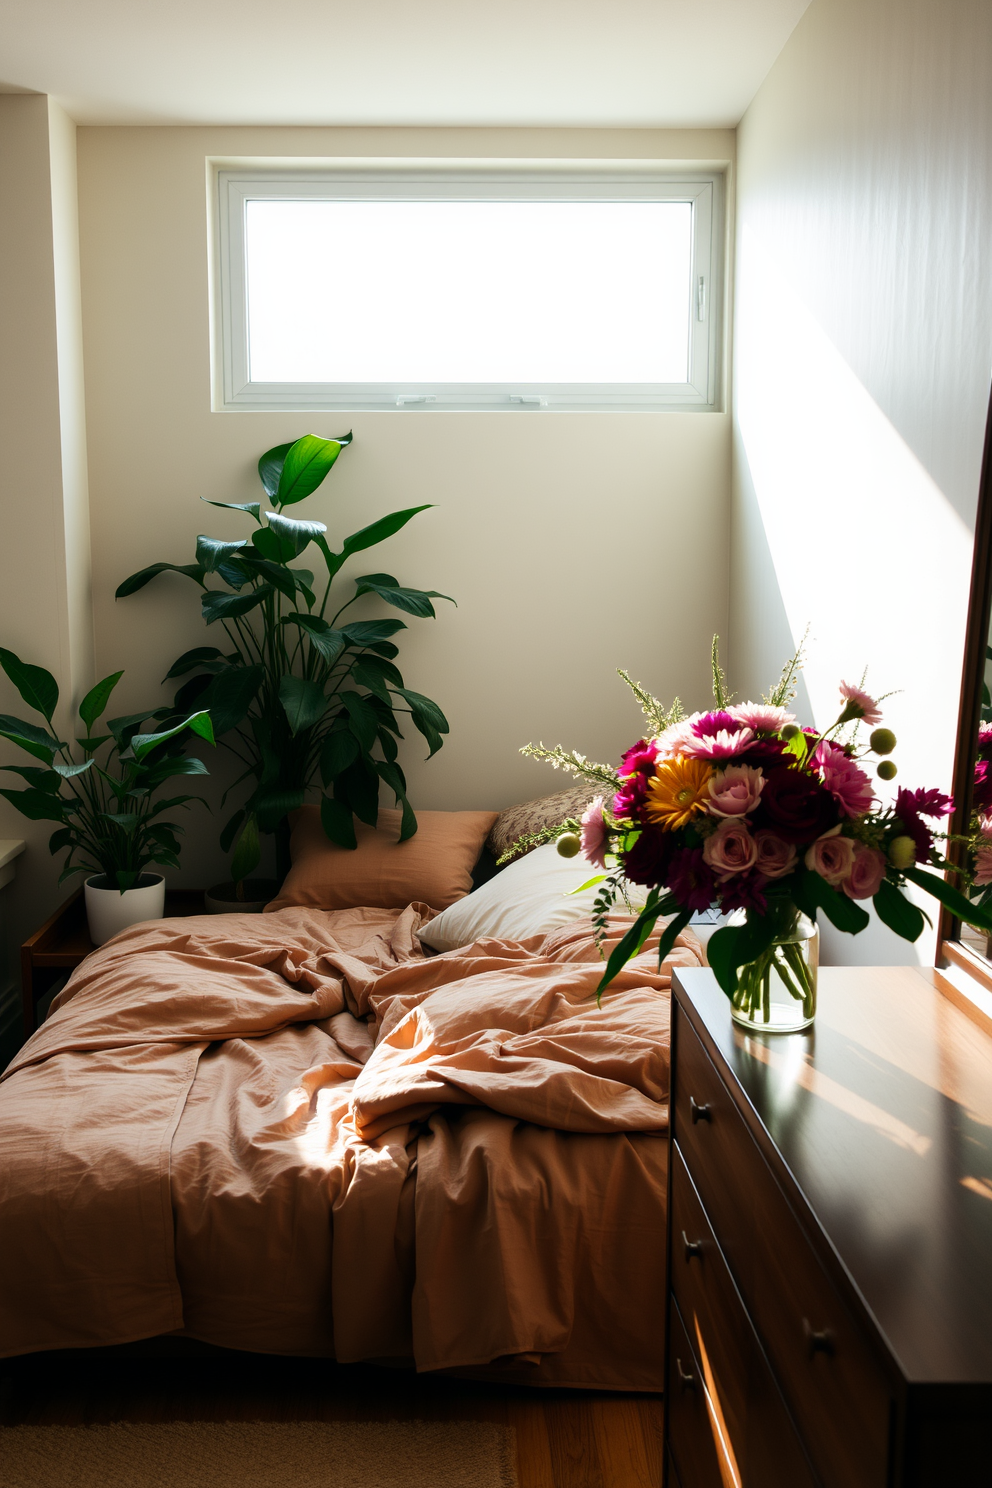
[108, 911]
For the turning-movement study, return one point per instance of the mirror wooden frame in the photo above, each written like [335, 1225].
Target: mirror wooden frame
[950, 947]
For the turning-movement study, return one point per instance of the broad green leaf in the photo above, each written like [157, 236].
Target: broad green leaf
[122, 728]
[277, 574]
[358, 787]
[336, 819]
[371, 632]
[631, 942]
[327, 642]
[377, 532]
[305, 465]
[898, 912]
[219, 606]
[427, 718]
[396, 780]
[30, 738]
[293, 535]
[270, 807]
[270, 468]
[734, 946]
[125, 820]
[248, 853]
[96, 700]
[254, 507]
[340, 749]
[185, 764]
[37, 805]
[64, 837]
[230, 694]
[93, 742]
[37, 687]
[841, 911]
[303, 702]
[362, 720]
[269, 545]
[414, 601]
[211, 550]
[229, 833]
[199, 723]
[372, 679]
[199, 656]
[36, 775]
[385, 670]
[69, 772]
[141, 578]
[385, 648]
[590, 883]
[959, 906]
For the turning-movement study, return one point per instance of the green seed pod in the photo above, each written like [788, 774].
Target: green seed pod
[569, 845]
[887, 770]
[883, 741]
[789, 731]
[902, 852]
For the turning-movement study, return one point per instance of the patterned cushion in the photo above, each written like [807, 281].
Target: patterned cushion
[534, 816]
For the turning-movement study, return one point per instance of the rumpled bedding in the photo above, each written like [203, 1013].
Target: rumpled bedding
[297, 1133]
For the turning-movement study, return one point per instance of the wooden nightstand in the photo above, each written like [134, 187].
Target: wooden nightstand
[63, 941]
[830, 1241]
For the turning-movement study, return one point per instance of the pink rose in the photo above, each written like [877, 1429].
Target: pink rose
[831, 856]
[776, 857]
[867, 872]
[736, 790]
[731, 848]
[595, 837]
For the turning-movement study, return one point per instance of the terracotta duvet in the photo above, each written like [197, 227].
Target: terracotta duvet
[296, 1133]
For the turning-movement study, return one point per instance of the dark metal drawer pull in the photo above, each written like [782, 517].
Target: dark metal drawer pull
[692, 1247]
[821, 1342]
[699, 1113]
[686, 1381]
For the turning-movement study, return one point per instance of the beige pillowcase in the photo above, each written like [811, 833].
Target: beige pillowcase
[534, 816]
[433, 867]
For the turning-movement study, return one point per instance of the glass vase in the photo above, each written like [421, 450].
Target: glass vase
[776, 993]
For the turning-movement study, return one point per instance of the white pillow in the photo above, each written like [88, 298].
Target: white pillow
[529, 897]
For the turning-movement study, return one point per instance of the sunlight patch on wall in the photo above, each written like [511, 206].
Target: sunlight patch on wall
[865, 545]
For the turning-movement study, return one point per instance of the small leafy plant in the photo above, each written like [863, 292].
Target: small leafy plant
[298, 695]
[110, 819]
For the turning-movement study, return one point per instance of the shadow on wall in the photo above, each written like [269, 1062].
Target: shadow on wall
[841, 527]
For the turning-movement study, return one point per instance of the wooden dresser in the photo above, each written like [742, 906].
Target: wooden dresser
[830, 1241]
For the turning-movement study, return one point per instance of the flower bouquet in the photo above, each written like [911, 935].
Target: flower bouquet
[742, 809]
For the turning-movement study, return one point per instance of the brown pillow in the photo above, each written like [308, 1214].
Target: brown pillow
[534, 816]
[434, 866]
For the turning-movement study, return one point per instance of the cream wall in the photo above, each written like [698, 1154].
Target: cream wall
[45, 603]
[573, 543]
[863, 345]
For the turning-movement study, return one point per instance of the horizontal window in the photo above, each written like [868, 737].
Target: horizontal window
[467, 290]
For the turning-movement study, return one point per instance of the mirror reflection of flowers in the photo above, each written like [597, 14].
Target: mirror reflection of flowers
[741, 808]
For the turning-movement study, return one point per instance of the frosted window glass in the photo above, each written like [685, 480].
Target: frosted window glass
[490, 291]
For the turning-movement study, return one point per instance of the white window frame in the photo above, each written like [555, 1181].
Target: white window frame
[235, 187]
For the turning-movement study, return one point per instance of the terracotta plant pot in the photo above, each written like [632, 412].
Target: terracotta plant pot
[108, 911]
[223, 898]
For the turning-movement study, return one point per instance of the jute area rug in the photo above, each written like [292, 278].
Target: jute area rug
[260, 1454]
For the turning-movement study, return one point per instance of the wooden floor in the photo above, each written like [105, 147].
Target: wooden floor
[565, 1439]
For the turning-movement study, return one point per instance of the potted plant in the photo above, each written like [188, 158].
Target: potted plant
[105, 795]
[303, 698]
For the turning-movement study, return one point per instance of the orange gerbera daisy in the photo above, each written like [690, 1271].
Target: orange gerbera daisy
[678, 792]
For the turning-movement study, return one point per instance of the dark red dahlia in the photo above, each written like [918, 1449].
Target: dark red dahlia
[796, 805]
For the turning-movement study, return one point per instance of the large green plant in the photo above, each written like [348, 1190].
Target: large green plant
[298, 696]
[105, 800]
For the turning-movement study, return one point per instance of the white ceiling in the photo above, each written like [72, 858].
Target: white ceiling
[469, 62]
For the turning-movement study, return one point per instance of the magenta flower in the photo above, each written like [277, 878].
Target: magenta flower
[985, 740]
[982, 790]
[641, 756]
[983, 854]
[636, 769]
[690, 879]
[735, 791]
[722, 744]
[595, 835]
[858, 704]
[846, 781]
[762, 717]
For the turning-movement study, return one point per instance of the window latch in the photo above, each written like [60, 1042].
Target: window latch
[700, 298]
[522, 400]
[408, 398]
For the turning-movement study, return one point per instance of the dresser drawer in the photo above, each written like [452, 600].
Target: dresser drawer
[737, 1376]
[693, 1431]
[835, 1387]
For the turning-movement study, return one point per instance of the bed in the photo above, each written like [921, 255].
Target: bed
[305, 1133]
